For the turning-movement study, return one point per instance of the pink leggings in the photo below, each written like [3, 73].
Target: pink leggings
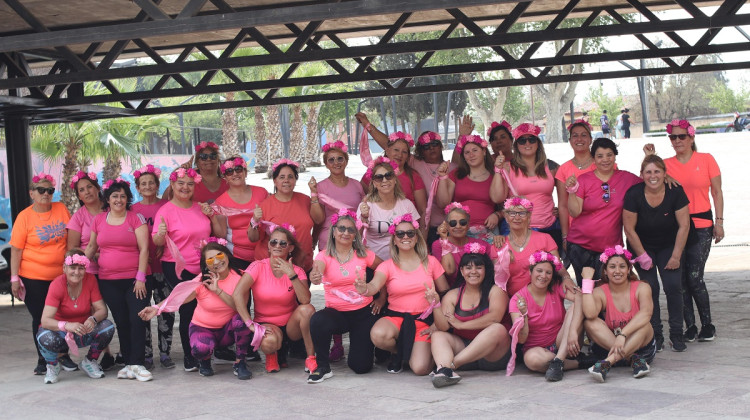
[203, 340]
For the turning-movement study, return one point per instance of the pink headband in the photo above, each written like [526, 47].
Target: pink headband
[518, 201]
[338, 144]
[502, 124]
[400, 135]
[148, 169]
[288, 162]
[286, 226]
[346, 213]
[580, 122]
[232, 163]
[526, 129]
[456, 205]
[682, 124]
[541, 256]
[182, 172]
[429, 137]
[475, 248]
[79, 176]
[473, 138]
[371, 166]
[77, 259]
[107, 185]
[43, 177]
[211, 239]
[206, 145]
[613, 251]
[400, 219]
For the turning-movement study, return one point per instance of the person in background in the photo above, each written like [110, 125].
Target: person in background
[604, 122]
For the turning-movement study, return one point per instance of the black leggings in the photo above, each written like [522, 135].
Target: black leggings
[186, 310]
[36, 294]
[124, 306]
[672, 282]
[357, 323]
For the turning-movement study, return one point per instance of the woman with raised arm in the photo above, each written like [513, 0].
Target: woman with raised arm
[501, 139]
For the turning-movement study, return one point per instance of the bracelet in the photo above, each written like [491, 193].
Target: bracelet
[719, 218]
[61, 325]
[94, 318]
[15, 279]
[253, 223]
[719, 225]
[498, 170]
[314, 202]
[220, 292]
[368, 127]
[294, 277]
[573, 189]
[140, 277]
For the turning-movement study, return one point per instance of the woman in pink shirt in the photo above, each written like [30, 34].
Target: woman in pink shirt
[501, 139]
[412, 279]
[88, 191]
[281, 297]
[453, 237]
[618, 316]
[206, 160]
[215, 322]
[121, 238]
[180, 225]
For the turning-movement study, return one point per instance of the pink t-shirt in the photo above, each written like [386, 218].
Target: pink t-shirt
[68, 309]
[406, 184]
[274, 298]
[539, 191]
[350, 196]
[437, 252]
[600, 223]
[341, 278]
[428, 172]
[474, 194]
[81, 223]
[566, 170]
[406, 289]
[695, 177]
[237, 225]
[544, 321]
[378, 238]
[118, 247]
[148, 212]
[186, 227]
[201, 194]
[519, 266]
[295, 212]
[211, 311]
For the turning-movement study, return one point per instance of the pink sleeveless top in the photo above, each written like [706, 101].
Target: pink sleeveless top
[614, 318]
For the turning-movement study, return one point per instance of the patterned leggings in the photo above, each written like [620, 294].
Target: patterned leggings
[53, 342]
[165, 321]
[693, 286]
[204, 340]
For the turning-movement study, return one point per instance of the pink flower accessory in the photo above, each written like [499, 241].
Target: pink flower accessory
[79, 176]
[182, 172]
[475, 248]
[580, 122]
[407, 217]
[526, 129]
[338, 144]
[77, 260]
[542, 256]
[43, 177]
[148, 169]
[682, 124]
[473, 138]
[346, 212]
[284, 162]
[518, 202]
[206, 145]
[400, 135]
[456, 205]
[107, 185]
[212, 239]
[429, 137]
[236, 162]
[286, 226]
[378, 161]
[496, 124]
[616, 250]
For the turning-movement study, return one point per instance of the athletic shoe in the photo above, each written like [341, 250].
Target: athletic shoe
[319, 376]
[555, 370]
[148, 363]
[125, 373]
[166, 361]
[205, 368]
[677, 343]
[659, 344]
[640, 367]
[41, 367]
[599, 370]
[224, 356]
[272, 363]
[310, 364]
[253, 356]
[691, 333]
[119, 360]
[395, 365]
[91, 367]
[67, 364]
[337, 352]
[108, 362]
[140, 373]
[52, 371]
[241, 371]
[382, 356]
[708, 333]
[445, 377]
[190, 364]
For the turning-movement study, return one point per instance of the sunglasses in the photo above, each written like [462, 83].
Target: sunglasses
[220, 257]
[674, 137]
[208, 156]
[332, 160]
[42, 190]
[380, 177]
[281, 244]
[348, 229]
[430, 145]
[605, 196]
[526, 139]
[512, 214]
[462, 222]
[408, 233]
[236, 169]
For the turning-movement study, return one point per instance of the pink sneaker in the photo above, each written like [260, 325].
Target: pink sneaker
[311, 364]
[337, 352]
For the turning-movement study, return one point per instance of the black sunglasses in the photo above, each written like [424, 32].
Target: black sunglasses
[430, 145]
[674, 137]
[207, 156]
[42, 190]
[408, 233]
[332, 160]
[527, 139]
[605, 196]
[236, 169]
[387, 175]
[275, 242]
[462, 222]
[349, 229]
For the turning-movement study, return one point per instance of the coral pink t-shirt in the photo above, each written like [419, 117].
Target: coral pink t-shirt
[148, 212]
[211, 311]
[186, 227]
[544, 321]
[340, 277]
[437, 252]
[428, 172]
[539, 191]
[350, 196]
[274, 298]
[474, 194]
[201, 194]
[118, 247]
[520, 276]
[68, 309]
[406, 289]
[296, 212]
[81, 223]
[237, 225]
[378, 238]
[695, 177]
[600, 223]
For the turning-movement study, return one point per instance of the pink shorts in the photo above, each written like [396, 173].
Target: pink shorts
[421, 326]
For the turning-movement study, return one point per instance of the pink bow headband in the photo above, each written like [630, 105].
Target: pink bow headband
[43, 177]
[496, 124]
[473, 138]
[338, 144]
[682, 124]
[148, 169]
[182, 172]
[400, 135]
[542, 256]
[401, 219]
[77, 259]
[79, 176]
[206, 145]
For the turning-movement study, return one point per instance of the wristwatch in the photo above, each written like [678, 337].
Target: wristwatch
[618, 332]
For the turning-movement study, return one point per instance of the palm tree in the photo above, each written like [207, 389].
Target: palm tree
[229, 142]
[261, 149]
[312, 157]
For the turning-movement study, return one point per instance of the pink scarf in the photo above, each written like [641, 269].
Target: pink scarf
[514, 331]
[364, 148]
[180, 292]
[502, 267]
[179, 260]
[72, 345]
[430, 199]
[507, 181]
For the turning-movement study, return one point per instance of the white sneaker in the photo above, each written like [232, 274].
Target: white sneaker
[141, 373]
[125, 373]
[52, 372]
[91, 367]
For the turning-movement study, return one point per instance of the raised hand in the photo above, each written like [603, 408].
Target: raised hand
[442, 230]
[313, 184]
[466, 126]
[257, 214]
[162, 227]
[522, 308]
[207, 210]
[316, 277]
[649, 149]
[359, 283]
[430, 294]
[443, 169]
[147, 313]
[364, 210]
[500, 161]
[362, 118]
[571, 181]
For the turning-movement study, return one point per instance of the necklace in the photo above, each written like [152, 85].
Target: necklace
[477, 176]
[523, 245]
[585, 164]
[342, 269]
[74, 299]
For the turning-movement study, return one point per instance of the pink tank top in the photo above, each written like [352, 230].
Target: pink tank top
[614, 318]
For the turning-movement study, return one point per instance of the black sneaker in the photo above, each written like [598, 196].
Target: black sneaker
[319, 375]
[678, 344]
[382, 356]
[640, 367]
[555, 370]
[241, 371]
[119, 360]
[148, 363]
[445, 377]
[166, 362]
[253, 356]
[396, 365]
[224, 355]
[107, 363]
[191, 365]
[599, 370]
[67, 364]
[41, 367]
[205, 368]
[708, 333]
[659, 344]
[691, 333]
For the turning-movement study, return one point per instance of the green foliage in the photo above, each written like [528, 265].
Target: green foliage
[727, 100]
[611, 104]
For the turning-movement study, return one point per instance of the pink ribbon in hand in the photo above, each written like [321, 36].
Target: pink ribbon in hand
[259, 332]
[447, 247]
[429, 309]
[502, 267]
[508, 183]
[349, 296]
[71, 341]
[430, 199]
[178, 295]
[179, 260]
[364, 148]
[514, 331]
[644, 261]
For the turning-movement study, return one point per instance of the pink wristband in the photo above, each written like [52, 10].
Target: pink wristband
[61, 325]
[15, 279]
[587, 286]
[314, 195]
[497, 170]
[253, 223]
[442, 177]
[573, 189]
[368, 127]
[140, 277]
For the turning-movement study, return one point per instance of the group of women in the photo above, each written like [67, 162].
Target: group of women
[443, 266]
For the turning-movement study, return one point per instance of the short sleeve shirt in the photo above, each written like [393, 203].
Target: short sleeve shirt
[43, 239]
[148, 212]
[378, 238]
[406, 289]
[212, 312]
[296, 212]
[656, 226]
[81, 223]
[118, 247]
[274, 298]
[338, 281]
[68, 309]
[695, 177]
[186, 227]
[333, 198]
[237, 224]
